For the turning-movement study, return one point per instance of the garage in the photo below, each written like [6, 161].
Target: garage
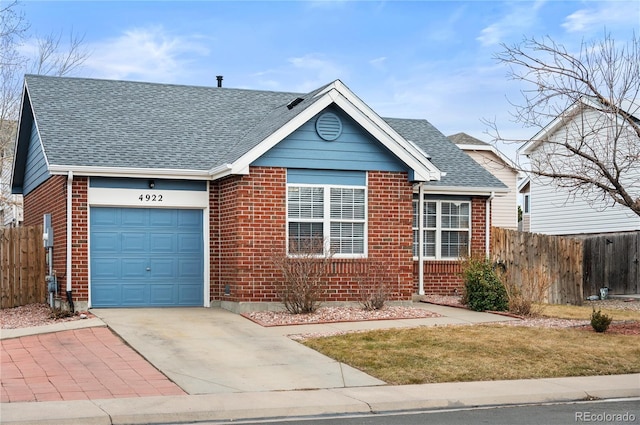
[146, 257]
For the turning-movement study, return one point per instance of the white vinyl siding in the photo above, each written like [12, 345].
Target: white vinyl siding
[504, 209]
[554, 211]
[446, 226]
[324, 218]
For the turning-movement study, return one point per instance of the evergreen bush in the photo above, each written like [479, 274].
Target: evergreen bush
[599, 321]
[483, 289]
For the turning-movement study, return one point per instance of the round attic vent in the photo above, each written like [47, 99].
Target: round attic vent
[329, 126]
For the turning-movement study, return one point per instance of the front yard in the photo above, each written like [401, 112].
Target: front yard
[489, 352]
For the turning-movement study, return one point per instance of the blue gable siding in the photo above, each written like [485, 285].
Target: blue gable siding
[354, 149]
[35, 172]
[336, 177]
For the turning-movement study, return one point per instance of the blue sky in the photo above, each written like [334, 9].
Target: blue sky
[417, 59]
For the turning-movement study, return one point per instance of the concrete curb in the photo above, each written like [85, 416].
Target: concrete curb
[55, 327]
[237, 406]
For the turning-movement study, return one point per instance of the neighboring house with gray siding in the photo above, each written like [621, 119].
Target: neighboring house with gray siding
[169, 195]
[551, 209]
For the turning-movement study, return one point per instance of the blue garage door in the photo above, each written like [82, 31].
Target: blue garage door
[146, 257]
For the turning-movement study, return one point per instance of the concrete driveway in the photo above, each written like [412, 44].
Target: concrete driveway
[211, 350]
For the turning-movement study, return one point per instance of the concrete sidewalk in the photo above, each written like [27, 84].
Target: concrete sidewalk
[236, 352]
[339, 401]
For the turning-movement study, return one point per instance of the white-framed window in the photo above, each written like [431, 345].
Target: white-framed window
[527, 205]
[324, 219]
[446, 228]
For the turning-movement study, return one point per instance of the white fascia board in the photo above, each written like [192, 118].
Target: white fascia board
[423, 169]
[130, 172]
[220, 171]
[474, 191]
[392, 136]
[489, 148]
[547, 130]
[25, 94]
[381, 130]
[15, 144]
[523, 183]
[241, 165]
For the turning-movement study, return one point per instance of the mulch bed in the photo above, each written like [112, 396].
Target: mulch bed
[619, 328]
[337, 314]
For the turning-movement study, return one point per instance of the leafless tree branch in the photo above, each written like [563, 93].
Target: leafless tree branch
[596, 152]
[52, 58]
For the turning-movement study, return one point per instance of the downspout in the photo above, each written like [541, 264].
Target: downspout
[487, 223]
[420, 239]
[69, 224]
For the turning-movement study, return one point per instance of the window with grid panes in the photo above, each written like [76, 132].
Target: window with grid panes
[323, 218]
[446, 226]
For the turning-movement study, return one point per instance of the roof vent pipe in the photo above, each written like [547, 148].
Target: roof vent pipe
[219, 78]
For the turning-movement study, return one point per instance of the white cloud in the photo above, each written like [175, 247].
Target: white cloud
[150, 54]
[299, 74]
[603, 14]
[521, 17]
[315, 71]
[452, 99]
[378, 63]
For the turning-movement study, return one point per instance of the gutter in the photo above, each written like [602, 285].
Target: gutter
[129, 172]
[69, 233]
[472, 191]
[420, 239]
[487, 223]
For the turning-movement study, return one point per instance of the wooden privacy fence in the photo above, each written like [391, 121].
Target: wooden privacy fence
[22, 266]
[573, 268]
[541, 260]
[612, 261]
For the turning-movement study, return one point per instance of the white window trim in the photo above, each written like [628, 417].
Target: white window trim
[439, 229]
[326, 220]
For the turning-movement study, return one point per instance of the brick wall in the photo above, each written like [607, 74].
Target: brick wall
[80, 239]
[51, 198]
[247, 228]
[442, 277]
[248, 214]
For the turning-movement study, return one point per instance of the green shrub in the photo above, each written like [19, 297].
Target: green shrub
[483, 289]
[599, 321]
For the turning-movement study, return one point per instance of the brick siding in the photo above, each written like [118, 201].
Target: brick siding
[248, 228]
[51, 198]
[248, 223]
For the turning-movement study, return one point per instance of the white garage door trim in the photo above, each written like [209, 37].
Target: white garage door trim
[174, 199]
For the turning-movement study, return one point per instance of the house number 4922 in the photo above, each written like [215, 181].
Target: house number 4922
[150, 198]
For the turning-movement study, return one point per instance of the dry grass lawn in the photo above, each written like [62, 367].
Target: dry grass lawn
[584, 312]
[485, 352]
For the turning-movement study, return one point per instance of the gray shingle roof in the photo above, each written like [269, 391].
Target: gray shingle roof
[461, 170]
[465, 139]
[85, 122]
[105, 123]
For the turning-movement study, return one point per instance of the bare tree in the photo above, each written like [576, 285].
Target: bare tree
[595, 94]
[51, 57]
